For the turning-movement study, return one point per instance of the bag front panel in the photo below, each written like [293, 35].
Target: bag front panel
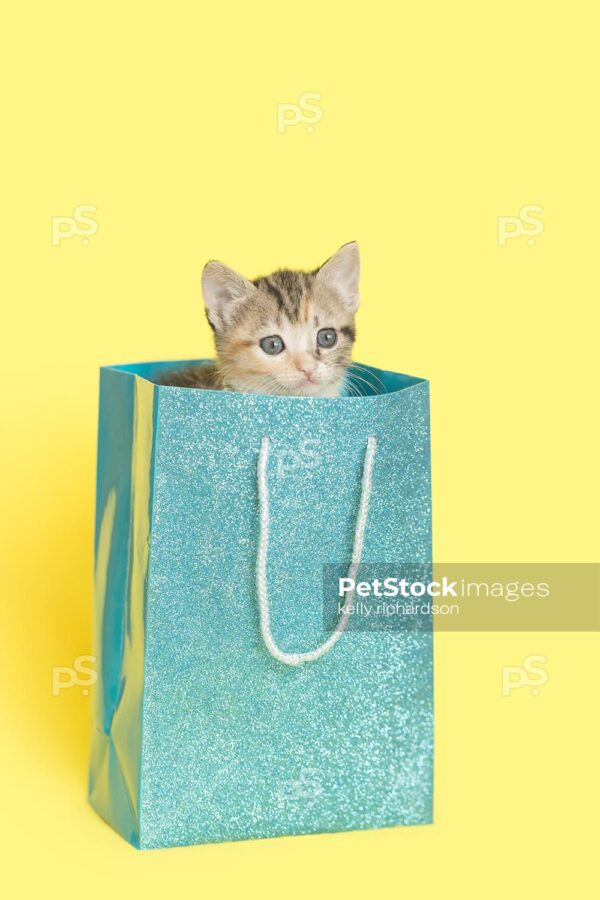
[236, 744]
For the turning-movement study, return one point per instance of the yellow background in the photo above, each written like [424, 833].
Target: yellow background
[437, 119]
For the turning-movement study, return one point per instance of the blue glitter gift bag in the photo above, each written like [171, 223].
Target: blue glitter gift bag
[224, 708]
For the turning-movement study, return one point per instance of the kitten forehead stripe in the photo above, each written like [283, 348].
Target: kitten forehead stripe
[279, 286]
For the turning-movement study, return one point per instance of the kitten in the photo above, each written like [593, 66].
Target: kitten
[287, 333]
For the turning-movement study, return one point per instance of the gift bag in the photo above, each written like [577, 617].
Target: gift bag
[224, 708]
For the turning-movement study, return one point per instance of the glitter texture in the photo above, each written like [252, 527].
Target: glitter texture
[200, 735]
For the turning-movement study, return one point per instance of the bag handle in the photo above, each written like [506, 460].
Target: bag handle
[295, 659]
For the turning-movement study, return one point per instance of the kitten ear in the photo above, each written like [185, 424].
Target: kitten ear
[223, 290]
[341, 273]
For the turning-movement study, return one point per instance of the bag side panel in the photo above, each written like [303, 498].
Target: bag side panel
[123, 503]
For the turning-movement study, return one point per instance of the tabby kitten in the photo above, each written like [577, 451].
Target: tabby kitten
[287, 333]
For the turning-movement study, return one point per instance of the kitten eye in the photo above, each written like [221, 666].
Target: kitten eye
[272, 345]
[327, 337]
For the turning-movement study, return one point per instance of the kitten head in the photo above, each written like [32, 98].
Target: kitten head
[286, 333]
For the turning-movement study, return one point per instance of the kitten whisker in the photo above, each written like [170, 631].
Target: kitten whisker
[372, 374]
[359, 378]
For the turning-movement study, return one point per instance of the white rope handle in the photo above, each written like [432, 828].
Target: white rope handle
[295, 659]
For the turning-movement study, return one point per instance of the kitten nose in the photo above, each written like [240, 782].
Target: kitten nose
[307, 368]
